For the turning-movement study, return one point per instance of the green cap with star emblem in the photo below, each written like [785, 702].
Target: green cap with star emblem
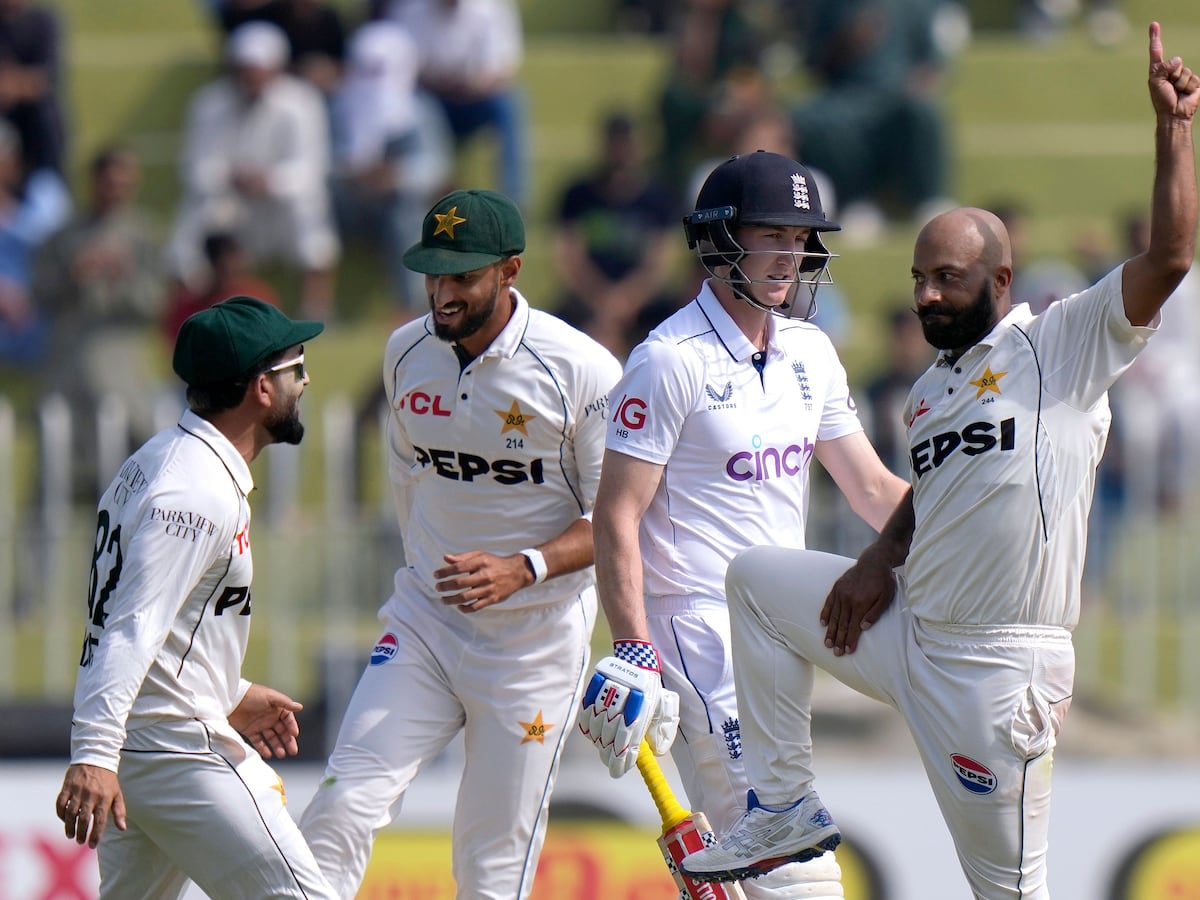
[467, 230]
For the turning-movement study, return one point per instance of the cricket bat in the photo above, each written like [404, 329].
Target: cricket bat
[683, 833]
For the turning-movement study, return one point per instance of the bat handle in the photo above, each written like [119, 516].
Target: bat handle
[660, 791]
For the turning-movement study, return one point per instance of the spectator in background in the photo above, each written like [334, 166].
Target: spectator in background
[315, 31]
[229, 273]
[256, 162]
[470, 54]
[614, 248]
[99, 280]
[1041, 280]
[30, 52]
[32, 207]
[875, 122]
[715, 55]
[908, 356]
[392, 152]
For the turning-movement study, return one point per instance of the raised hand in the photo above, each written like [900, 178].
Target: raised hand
[1174, 88]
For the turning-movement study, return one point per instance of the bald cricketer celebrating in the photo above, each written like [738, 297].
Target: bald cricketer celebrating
[972, 590]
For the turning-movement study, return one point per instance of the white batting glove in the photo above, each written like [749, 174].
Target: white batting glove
[625, 702]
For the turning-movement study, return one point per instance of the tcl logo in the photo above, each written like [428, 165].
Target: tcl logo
[631, 415]
[420, 403]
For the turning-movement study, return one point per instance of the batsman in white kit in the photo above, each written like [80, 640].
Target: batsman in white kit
[495, 437]
[715, 423]
[960, 615]
[167, 736]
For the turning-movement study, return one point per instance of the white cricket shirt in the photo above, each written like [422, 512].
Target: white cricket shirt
[502, 454]
[169, 596]
[1004, 445]
[736, 445]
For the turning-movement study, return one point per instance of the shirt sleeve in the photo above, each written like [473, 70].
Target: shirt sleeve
[839, 415]
[592, 411]
[651, 402]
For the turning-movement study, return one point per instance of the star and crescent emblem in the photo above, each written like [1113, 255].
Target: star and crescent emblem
[447, 221]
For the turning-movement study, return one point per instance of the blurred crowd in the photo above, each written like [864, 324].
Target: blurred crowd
[330, 125]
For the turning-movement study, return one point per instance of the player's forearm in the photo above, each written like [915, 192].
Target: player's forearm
[1174, 208]
[619, 581]
[570, 551]
[895, 537]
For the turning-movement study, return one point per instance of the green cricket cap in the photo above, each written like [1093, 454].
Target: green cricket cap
[229, 339]
[467, 230]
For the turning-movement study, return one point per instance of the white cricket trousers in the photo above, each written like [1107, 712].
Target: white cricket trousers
[512, 680]
[213, 813]
[984, 706]
[691, 635]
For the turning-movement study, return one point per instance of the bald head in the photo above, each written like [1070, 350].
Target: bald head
[962, 271]
[969, 232]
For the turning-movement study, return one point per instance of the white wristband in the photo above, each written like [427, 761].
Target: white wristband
[537, 562]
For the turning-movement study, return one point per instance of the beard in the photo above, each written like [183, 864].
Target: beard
[286, 427]
[472, 321]
[965, 326]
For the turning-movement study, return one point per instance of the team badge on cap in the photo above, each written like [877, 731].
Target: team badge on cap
[446, 222]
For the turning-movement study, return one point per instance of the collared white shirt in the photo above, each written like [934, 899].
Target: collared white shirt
[1004, 444]
[168, 613]
[476, 40]
[736, 444]
[499, 455]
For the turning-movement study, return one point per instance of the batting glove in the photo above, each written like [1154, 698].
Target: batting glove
[626, 702]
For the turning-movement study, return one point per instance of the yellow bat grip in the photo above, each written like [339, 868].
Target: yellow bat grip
[660, 791]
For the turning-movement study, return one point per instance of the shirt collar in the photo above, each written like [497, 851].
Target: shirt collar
[220, 445]
[732, 337]
[506, 343]
[1015, 316]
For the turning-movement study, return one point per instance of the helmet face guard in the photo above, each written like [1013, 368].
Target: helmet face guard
[761, 189]
[710, 236]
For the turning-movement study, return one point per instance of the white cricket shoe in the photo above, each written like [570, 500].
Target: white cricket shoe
[765, 839]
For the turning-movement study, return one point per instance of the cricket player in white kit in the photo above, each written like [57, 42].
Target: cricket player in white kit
[496, 434]
[167, 735]
[970, 637]
[714, 424]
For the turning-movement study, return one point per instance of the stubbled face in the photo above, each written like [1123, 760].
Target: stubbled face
[769, 264]
[463, 304]
[283, 422]
[953, 290]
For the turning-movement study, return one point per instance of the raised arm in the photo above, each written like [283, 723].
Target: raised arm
[1150, 278]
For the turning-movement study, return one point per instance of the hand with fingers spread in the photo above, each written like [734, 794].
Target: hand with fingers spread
[89, 794]
[857, 600]
[1174, 88]
[267, 720]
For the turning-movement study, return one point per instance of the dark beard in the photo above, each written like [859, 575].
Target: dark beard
[966, 327]
[286, 428]
[471, 323]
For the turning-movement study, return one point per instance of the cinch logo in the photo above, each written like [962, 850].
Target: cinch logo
[975, 777]
[976, 438]
[462, 466]
[631, 415]
[763, 465]
[420, 403]
[385, 650]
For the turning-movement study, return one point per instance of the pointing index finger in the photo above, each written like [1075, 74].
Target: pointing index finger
[1156, 47]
